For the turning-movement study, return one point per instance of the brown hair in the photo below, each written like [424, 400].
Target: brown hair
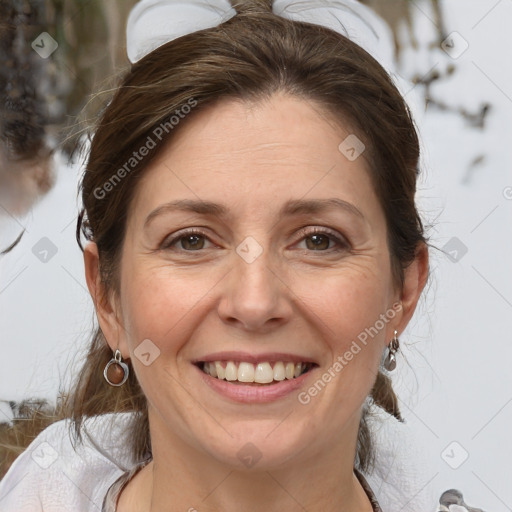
[249, 57]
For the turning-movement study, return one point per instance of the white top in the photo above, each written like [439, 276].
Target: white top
[53, 476]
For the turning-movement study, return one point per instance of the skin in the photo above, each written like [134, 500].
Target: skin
[295, 297]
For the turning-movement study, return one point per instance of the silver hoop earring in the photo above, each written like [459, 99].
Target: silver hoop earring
[390, 361]
[116, 372]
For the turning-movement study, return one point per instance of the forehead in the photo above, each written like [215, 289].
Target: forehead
[256, 155]
[279, 125]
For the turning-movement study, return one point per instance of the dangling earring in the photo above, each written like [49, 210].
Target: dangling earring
[390, 361]
[116, 372]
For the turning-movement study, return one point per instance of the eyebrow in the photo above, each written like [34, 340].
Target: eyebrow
[291, 207]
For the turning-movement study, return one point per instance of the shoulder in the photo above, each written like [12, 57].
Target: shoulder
[402, 465]
[58, 473]
[407, 474]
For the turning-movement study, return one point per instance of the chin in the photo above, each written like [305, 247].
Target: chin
[258, 450]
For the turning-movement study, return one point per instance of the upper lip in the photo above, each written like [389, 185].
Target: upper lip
[254, 358]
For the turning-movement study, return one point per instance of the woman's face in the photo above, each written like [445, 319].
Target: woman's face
[287, 262]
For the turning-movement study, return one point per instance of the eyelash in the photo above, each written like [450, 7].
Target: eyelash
[304, 232]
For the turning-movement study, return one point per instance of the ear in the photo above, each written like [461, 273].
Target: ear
[415, 278]
[106, 310]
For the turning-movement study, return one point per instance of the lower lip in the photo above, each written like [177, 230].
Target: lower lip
[254, 394]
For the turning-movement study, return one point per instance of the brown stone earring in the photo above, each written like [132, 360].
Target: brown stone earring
[390, 361]
[116, 372]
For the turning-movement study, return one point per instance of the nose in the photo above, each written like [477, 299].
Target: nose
[255, 297]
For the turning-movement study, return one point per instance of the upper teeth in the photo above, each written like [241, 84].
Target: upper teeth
[262, 373]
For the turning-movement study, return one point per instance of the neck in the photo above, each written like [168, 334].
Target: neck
[180, 478]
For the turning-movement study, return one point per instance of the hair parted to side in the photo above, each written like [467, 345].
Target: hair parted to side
[249, 58]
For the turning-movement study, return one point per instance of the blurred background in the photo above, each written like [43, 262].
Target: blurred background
[60, 59]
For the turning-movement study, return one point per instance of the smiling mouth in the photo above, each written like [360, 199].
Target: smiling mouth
[264, 373]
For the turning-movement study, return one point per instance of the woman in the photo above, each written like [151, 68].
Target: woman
[254, 254]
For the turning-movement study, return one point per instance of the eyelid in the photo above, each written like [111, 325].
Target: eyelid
[340, 239]
[170, 240]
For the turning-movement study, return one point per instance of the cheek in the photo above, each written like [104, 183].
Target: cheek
[345, 314]
[159, 305]
[353, 312]
[155, 311]
[347, 308]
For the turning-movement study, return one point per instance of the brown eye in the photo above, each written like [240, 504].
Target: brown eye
[192, 241]
[318, 242]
